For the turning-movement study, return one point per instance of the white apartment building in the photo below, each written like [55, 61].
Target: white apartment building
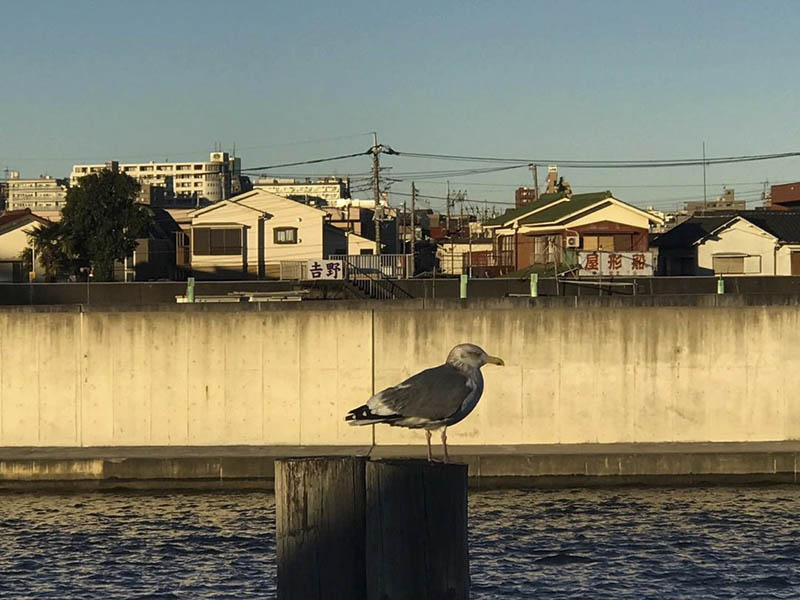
[329, 189]
[42, 194]
[209, 181]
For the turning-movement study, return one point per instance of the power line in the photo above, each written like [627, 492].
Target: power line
[309, 162]
[430, 197]
[607, 164]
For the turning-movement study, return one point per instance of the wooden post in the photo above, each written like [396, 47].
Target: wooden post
[320, 528]
[416, 544]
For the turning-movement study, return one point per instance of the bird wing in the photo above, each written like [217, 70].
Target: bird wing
[433, 394]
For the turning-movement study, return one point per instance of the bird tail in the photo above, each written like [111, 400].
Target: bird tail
[364, 416]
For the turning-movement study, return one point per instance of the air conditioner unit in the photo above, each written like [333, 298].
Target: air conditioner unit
[573, 241]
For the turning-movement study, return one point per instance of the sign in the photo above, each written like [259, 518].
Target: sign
[602, 263]
[325, 269]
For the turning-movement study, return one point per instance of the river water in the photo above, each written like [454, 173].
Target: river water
[718, 542]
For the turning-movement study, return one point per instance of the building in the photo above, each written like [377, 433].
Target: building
[546, 231]
[725, 203]
[187, 181]
[14, 227]
[738, 243]
[785, 196]
[322, 191]
[44, 194]
[3, 194]
[255, 235]
[523, 195]
[456, 255]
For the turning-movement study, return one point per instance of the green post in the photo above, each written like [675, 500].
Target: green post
[190, 289]
[720, 286]
[534, 285]
[463, 285]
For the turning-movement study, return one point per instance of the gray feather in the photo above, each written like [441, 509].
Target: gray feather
[434, 394]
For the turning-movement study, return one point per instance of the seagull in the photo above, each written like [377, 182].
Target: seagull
[432, 399]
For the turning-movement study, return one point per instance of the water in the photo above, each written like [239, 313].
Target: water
[613, 543]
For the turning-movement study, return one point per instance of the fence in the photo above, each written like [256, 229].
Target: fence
[292, 269]
[393, 266]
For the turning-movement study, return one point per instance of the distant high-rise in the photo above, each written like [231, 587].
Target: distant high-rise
[42, 194]
[209, 181]
[726, 202]
[523, 195]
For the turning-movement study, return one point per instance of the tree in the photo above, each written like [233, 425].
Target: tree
[52, 250]
[99, 225]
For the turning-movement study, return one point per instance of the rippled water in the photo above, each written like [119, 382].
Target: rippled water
[615, 543]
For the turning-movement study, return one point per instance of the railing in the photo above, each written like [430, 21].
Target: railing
[373, 283]
[394, 266]
[293, 269]
[485, 263]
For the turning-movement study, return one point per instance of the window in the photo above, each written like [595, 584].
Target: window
[285, 235]
[728, 265]
[210, 241]
[608, 243]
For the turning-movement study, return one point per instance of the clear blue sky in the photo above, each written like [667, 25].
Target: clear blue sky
[91, 81]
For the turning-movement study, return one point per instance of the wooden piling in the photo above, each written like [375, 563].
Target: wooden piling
[378, 530]
[320, 528]
[416, 544]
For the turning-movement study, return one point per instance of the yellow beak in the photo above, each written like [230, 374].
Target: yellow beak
[495, 360]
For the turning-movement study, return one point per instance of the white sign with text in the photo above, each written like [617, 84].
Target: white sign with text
[602, 263]
[325, 269]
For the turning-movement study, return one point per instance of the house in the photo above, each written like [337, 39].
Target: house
[250, 235]
[455, 255]
[14, 227]
[543, 231]
[754, 242]
[155, 256]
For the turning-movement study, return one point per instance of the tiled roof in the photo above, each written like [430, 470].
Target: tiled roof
[558, 211]
[9, 218]
[784, 225]
[515, 213]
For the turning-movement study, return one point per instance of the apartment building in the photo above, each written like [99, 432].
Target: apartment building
[327, 189]
[203, 181]
[43, 194]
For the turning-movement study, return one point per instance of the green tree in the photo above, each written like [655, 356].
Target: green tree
[100, 225]
[52, 250]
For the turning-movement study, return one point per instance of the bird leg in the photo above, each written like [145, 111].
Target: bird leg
[428, 439]
[444, 444]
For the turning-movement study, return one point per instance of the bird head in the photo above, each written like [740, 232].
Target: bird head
[472, 356]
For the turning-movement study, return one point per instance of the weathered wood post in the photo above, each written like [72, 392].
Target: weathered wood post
[320, 528]
[416, 531]
[378, 530]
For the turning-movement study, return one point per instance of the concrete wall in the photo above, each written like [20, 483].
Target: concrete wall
[185, 376]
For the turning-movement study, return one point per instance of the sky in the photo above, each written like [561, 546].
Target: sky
[293, 81]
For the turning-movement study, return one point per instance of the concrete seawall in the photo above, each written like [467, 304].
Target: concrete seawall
[283, 377]
[253, 467]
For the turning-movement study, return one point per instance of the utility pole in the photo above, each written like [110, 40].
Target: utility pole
[533, 168]
[405, 229]
[413, 217]
[378, 216]
[705, 198]
[448, 208]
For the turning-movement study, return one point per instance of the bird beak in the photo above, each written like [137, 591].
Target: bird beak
[495, 360]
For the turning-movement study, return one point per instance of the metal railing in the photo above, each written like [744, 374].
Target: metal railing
[293, 269]
[373, 283]
[393, 266]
